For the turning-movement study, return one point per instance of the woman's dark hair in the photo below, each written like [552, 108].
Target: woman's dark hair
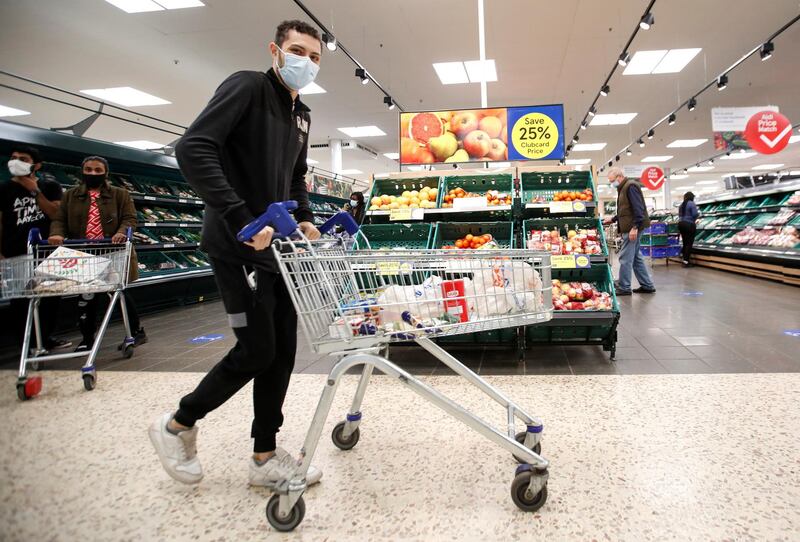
[688, 196]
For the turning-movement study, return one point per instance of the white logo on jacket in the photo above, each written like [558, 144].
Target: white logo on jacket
[302, 124]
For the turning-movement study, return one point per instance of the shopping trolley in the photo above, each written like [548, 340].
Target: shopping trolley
[78, 267]
[354, 304]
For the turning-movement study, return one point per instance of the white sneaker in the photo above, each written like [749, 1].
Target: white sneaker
[178, 453]
[280, 467]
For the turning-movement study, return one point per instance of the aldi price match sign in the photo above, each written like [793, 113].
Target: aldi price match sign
[482, 135]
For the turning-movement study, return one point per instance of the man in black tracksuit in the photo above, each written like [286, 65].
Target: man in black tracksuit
[246, 150]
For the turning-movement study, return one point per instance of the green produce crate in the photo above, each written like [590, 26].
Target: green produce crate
[533, 184]
[762, 219]
[601, 277]
[477, 184]
[396, 187]
[447, 233]
[160, 263]
[672, 227]
[654, 240]
[414, 236]
[564, 225]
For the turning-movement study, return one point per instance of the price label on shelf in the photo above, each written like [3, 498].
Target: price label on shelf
[151, 224]
[406, 214]
[183, 200]
[183, 225]
[169, 245]
[561, 207]
[149, 198]
[570, 261]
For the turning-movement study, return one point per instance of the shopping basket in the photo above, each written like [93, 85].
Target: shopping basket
[78, 267]
[353, 304]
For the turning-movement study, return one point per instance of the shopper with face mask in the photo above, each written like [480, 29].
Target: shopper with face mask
[246, 150]
[631, 219]
[30, 200]
[356, 207]
[94, 209]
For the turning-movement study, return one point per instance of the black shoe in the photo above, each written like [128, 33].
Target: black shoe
[641, 290]
[139, 337]
[57, 344]
[85, 346]
[622, 292]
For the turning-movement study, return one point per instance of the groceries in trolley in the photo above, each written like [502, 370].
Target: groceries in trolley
[467, 291]
[66, 270]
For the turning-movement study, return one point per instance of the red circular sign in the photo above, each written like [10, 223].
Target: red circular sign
[652, 178]
[768, 132]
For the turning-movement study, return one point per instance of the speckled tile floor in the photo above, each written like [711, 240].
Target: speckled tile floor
[634, 457]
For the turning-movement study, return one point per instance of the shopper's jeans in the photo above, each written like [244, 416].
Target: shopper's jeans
[87, 321]
[265, 325]
[630, 258]
[688, 231]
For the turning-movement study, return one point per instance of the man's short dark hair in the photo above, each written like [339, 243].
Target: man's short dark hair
[35, 155]
[96, 159]
[298, 26]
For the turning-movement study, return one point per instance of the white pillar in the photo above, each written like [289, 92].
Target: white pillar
[335, 146]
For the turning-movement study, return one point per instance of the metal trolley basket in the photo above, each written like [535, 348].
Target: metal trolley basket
[354, 304]
[79, 267]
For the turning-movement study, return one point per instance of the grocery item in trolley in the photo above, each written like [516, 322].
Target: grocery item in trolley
[74, 265]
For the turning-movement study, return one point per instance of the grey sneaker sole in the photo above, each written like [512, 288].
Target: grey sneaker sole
[155, 438]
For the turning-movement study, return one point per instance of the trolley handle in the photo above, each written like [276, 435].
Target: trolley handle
[343, 219]
[35, 238]
[277, 215]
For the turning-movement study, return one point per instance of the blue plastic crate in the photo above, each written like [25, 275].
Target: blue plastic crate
[657, 252]
[674, 241]
[674, 251]
[657, 228]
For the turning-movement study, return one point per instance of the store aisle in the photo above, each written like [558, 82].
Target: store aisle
[700, 321]
[650, 457]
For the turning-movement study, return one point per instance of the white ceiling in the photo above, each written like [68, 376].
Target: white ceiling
[546, 52]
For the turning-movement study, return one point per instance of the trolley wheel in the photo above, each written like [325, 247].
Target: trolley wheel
[89, 381]
[340, 441]
[29, 388]
[613, 353]
[522, 496]
[537, 449]
[288, 523]
[21, 392]
[127, 351]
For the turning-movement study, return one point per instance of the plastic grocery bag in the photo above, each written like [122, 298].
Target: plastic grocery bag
[69, 264]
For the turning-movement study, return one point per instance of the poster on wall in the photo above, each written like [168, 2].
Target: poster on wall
[328, 186]
[730, 123]
[482, 135]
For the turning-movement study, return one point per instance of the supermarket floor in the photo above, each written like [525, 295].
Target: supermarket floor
[699, 321]
[641, 455]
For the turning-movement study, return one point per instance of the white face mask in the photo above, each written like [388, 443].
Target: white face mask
[297, 71]
[18, 168]
[354, 202]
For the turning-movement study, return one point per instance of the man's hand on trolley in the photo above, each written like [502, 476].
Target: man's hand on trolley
[119, 238]
[262, 239]
[55, 240]
[309, 230]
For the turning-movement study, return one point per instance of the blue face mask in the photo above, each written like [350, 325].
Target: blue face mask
[297, 71]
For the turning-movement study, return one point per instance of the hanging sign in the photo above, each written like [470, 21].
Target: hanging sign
[652, 178]
[482, 135]
[768, 132]
[730, 123]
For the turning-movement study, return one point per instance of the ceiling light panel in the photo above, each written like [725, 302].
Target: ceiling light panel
[351, 172]
[311, 161]
[794, 139]
[588, 147]
[678, 177]
[136, 6]
[675, 60]
[610, 119]
[312, 88]
[660, 61]
[738, 156]
[362, 131]
[578, 161]
[6, 111]
[768, 166]
[127, 96]
[180, 4]
[142, 144]
[643, 62]
[680, 143]
[480, 71]
[663, 158]
[451, 73]
[392, 155]
[698, 169]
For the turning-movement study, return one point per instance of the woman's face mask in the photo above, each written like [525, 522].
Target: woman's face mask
[354, 202]
[93, 180]
[297, 71]
[18, 168]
